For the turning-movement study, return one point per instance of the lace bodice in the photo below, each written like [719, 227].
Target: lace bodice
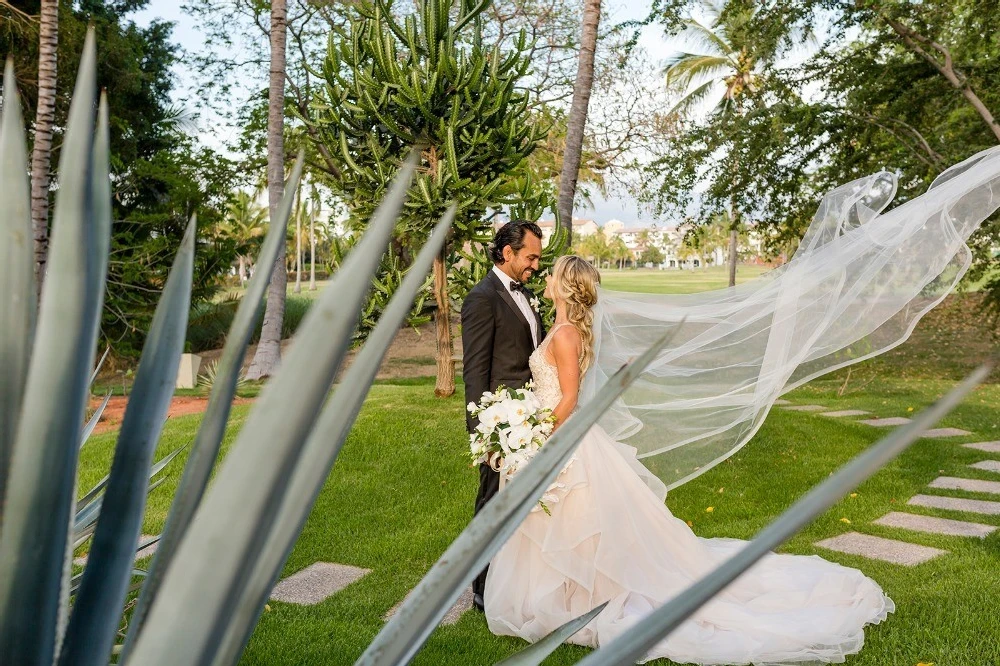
[544, 374]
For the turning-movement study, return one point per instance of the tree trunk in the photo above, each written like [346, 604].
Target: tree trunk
[312, 248]
[41, 150]
[445, 385]
[578, 116]
[734, 237]
[243, 269]
[298, 249]
[268, 354]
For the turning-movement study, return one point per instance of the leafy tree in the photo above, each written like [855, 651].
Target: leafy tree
[619, 251]
[245, 223]
[651, 254]
[594, 247]
[433, 83]
[160, 177]
[726, 63]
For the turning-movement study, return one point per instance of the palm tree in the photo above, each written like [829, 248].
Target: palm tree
[48, 40]
[619, 252]
[301, 212]
[312, 238]
[244, 223]
[724, 63]
[268, 354]
[578, 115]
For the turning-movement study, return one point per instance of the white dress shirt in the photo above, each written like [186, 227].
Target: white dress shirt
[522, 302]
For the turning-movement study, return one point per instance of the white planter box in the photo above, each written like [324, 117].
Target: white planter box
[187, 373]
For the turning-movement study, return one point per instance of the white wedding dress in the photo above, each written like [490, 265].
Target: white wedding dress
[611, 538]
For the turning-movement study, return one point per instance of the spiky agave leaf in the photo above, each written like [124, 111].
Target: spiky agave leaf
[201, 587]
[324, 445]
[96, 614]
[535, 654]
[213, 425]
[17, 272]
[40, 493]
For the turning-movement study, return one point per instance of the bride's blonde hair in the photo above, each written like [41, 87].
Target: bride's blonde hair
[575, 283]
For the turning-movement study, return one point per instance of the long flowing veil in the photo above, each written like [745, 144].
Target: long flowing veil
[858, 284]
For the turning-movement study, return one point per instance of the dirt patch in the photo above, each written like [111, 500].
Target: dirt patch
[111, 419]
[412, 354]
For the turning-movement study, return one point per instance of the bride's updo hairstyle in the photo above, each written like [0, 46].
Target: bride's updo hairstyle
[575, 283]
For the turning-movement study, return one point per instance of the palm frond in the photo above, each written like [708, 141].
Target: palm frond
[691, 100]
[684, 68]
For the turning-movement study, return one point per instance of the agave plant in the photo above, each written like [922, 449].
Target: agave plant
[223, 548]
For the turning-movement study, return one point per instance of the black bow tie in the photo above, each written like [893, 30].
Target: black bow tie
[517, 286]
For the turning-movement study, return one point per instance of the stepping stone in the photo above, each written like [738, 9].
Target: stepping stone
[989, 447]
[988, 465]
[910, 521]
[780, 402]
[970, 485]
[945, 432]
[805, 408]
[145, 552]
[846, 412]
[885, 423]
[317, 582]
[877, 548]
[984, 507]
[454, 613]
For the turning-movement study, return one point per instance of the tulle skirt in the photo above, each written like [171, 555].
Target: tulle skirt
[610, 538]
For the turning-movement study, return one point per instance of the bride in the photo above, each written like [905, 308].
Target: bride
[610, 538]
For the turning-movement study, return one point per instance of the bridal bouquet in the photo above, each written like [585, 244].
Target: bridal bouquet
[512, 427]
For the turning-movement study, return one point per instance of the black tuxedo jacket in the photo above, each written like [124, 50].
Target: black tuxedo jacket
[496, 341]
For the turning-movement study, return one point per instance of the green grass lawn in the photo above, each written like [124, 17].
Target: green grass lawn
[649, 280]
[401, 491]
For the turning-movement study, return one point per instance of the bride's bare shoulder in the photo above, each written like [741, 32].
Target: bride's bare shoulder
[566, 336]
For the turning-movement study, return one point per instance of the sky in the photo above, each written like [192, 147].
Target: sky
[216, 132]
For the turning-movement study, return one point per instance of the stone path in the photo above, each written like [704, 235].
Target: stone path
[321, 580]
[931, 525]
[989, 447]
[892, 421]
[910, 554]
[968, 485]
[317, 582]
[985, 507]
[454, 613]
[887, 550]
[934, 433]
[846, 412]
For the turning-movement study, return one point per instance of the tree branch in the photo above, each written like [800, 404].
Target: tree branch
[956, 78]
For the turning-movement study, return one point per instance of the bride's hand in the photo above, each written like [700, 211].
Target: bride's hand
[494, 460]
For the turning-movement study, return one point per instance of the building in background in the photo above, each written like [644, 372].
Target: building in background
[639, 236]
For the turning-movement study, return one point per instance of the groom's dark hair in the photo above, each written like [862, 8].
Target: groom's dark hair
[512, 234]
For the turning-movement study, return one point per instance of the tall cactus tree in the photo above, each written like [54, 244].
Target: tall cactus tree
[429, 81]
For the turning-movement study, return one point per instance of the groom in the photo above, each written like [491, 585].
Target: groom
[500, 329]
